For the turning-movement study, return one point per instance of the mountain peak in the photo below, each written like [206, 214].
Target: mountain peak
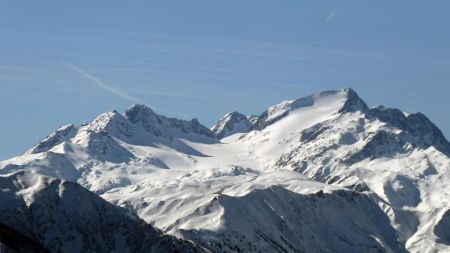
[62, 134]
[231, 123]
[353, 102]
[328, 98]
[162, 126]
[112, 122]
[138, 111]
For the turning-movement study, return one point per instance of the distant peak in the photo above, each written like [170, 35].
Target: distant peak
[231, 123]
[62, 134]
[353, 102]
[379, 107]
[348, 90]
[137, 111]
[66, 129]
[281, 110]
[235, 115]
[139, 107]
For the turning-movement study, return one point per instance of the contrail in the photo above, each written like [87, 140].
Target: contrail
[331, 16]
[116, 91]
[103, 85]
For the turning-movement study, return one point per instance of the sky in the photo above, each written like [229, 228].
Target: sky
[66, 62]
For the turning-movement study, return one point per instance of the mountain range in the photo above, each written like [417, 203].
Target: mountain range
[323, 173]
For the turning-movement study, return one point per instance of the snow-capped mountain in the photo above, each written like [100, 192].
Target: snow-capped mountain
[324, 173]
[233, 123]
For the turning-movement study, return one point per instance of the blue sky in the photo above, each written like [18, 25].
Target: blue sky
[67, 61]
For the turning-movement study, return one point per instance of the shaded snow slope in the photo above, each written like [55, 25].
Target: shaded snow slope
[12, 241]
[239, 209]
[189, 181]
[278, 220]
[64, 217]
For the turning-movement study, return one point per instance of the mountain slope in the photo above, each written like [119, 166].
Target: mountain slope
[13, 241]
[64, 217]
[277, 220]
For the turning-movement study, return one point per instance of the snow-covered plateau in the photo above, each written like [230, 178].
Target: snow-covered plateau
[323, 173]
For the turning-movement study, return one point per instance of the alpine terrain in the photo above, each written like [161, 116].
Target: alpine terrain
[323, 173]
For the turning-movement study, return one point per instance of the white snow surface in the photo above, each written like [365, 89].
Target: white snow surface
[306, 175]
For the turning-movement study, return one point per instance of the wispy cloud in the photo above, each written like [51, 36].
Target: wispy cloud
[106, 87]
[332, 14]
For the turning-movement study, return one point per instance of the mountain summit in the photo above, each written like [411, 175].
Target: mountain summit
[161, 126]
[233, 123]
[345, 100]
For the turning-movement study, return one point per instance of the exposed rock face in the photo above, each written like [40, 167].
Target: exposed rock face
[416, 127]
[162, 126]
[233, 123]
[353, 102]
[442, 228]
